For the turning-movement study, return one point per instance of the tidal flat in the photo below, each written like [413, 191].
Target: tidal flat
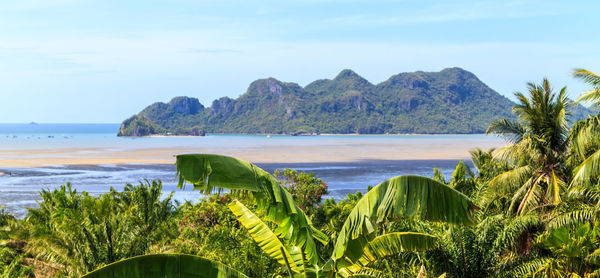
[96, 160]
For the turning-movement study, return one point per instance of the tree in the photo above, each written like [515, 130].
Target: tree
[585, 135]
[12, 262]
[575, 252]
[306, 189]
[80, 233]
[538, 144]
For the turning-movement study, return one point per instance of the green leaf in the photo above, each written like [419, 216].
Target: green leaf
[555, 187]
[391, 244]
[400, 197]
[165, 266]
[510, 180]
[208, 171]
[587, 170]
[266, 239]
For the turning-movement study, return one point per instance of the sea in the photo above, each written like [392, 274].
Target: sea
[20, 186]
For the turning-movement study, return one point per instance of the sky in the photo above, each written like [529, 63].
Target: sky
[87, 61]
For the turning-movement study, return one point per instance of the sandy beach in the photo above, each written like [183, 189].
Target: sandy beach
[342, 149]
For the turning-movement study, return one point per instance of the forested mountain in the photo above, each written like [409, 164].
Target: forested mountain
[450, 101]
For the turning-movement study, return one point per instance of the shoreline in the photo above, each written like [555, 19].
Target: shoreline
[255, 149]
[279, 154]
[304, 135]
[4, 170]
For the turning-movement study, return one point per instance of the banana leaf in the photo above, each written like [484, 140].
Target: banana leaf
[165, 266]
[391, 244]
[208, 172]
[400, 197]
[266, 239]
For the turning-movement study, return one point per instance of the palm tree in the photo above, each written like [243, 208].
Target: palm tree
[12, 263]
[537, 146]
[584, 159]
[358, 244]
[585, 135]
[79, 233]
[592, 79]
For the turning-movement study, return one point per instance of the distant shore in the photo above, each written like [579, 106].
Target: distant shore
[267, 150]
[320, 134]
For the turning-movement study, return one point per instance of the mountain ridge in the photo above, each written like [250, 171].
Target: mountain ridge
[452, 100]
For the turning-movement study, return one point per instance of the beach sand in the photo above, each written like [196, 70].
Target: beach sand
[347, 151]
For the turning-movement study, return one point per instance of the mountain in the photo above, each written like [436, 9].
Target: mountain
[450, 101]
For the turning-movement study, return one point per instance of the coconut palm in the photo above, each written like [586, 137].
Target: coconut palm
[584, 159]
[585, 135]
[538, 142]
[592, 79]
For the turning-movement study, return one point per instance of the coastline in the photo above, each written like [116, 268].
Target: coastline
[267, 150]
[307, 135]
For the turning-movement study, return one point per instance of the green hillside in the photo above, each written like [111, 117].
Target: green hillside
[450, 101]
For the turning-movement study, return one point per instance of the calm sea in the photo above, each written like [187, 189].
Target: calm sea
[19, 186]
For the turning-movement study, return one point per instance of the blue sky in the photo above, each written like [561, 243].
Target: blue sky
[103, 61]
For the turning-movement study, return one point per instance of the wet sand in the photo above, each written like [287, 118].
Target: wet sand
[274, 151]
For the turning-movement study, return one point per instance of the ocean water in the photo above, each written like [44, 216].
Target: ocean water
[19, 186]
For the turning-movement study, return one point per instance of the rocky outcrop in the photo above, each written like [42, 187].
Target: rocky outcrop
[450, 101]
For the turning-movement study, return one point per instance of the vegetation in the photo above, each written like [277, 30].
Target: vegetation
[450, 101]
[529, 209]
[140, 126]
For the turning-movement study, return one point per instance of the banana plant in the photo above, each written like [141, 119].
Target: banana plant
[403, 197]
[357, 245]
[209, 172]
[165, 266]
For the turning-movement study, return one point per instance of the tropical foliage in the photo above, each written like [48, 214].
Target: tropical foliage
[166, 266]
[537, 147]
[529, 209]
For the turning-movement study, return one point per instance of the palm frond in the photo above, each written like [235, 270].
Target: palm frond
[526, 269]
[587, 76]
[510, 180]
[514, 228]
[572, 218]
[513, 131]
[587, 170]
[555, 187]
[532, 198]
[592, 79]
[584, 136]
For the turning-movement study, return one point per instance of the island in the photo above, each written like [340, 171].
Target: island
[451, 101]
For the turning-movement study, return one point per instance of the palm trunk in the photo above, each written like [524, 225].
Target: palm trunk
[422, 272]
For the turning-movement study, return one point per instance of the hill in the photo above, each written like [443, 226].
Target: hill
[450, 101]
